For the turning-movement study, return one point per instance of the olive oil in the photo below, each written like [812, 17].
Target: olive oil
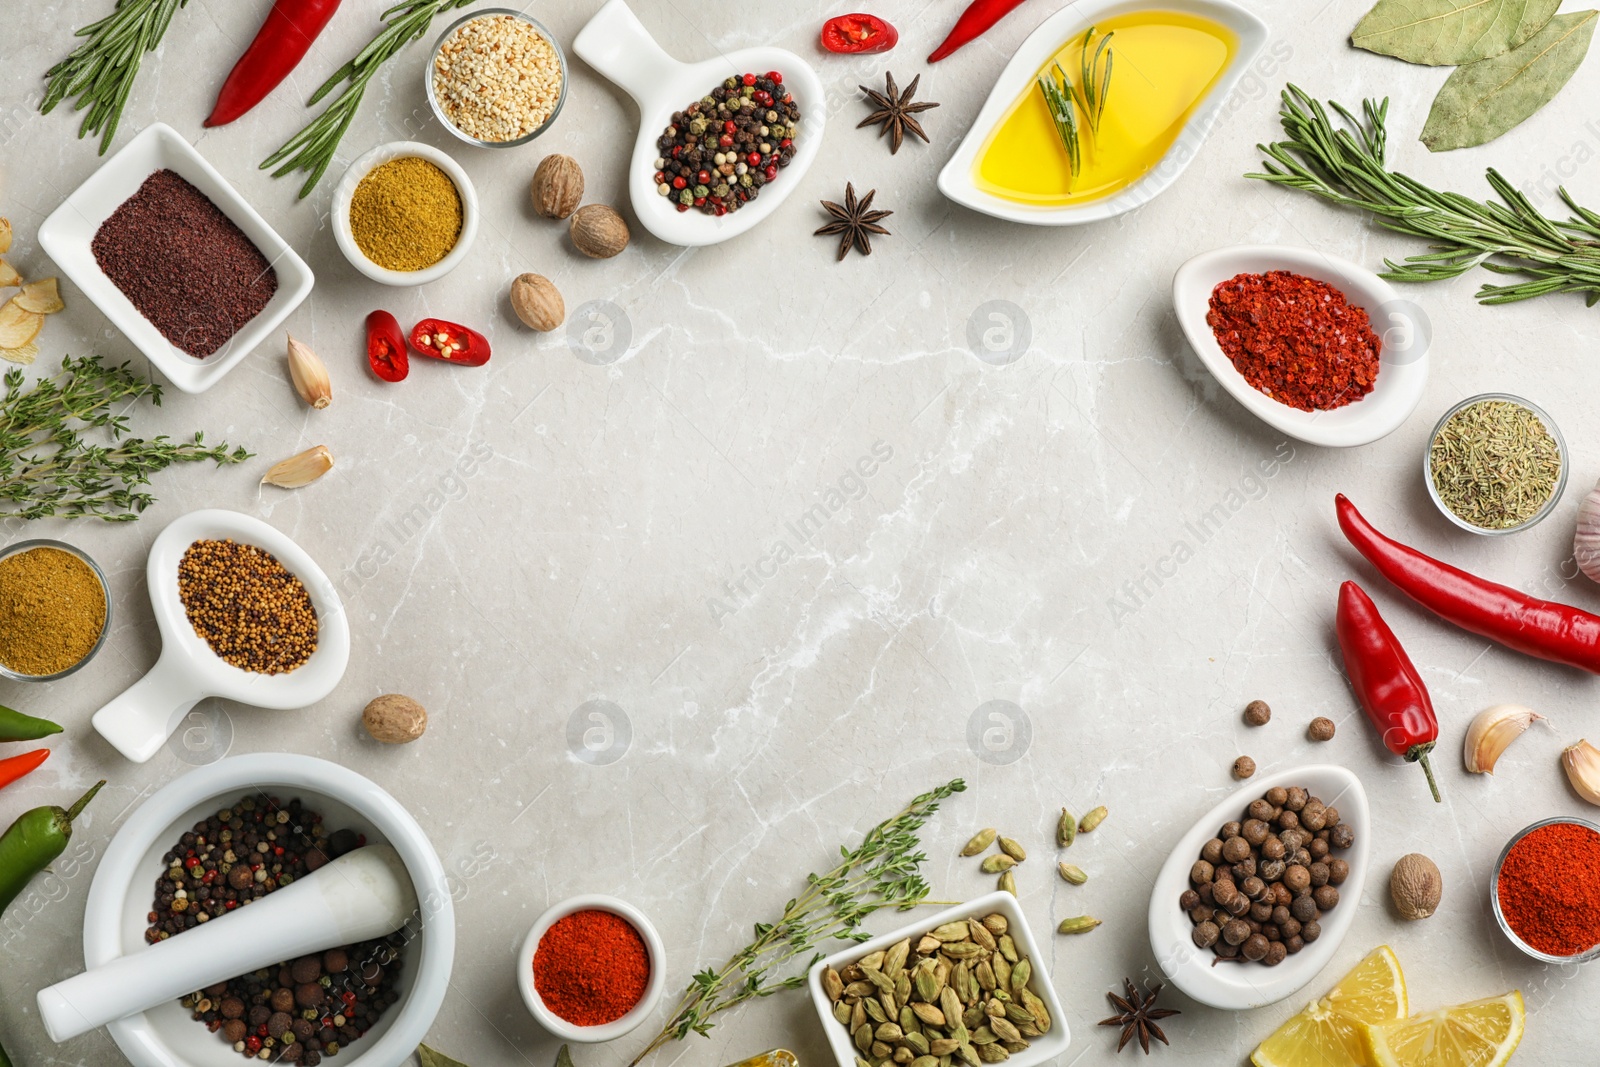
[1167, 62]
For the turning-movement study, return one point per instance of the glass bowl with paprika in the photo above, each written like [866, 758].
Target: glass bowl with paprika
[591, 969]
[1495, 464]
[1546, 890]
[55, 610]
[405, 213]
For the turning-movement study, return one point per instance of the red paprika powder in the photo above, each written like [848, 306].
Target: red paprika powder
[591, 968]
[1550, 889]
[1296, 339]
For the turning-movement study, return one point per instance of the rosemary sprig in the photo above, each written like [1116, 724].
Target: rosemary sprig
[101, 70]
[1347, 167]
[1096, 88]
[884, 870]
[313, 148]
[1063, 99]
[1063, 105]
[46, 466]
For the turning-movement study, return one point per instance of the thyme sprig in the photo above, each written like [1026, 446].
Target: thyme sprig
[47, 468]
[313, 148]
[1346, 165]
[100, 72]
[884, 870]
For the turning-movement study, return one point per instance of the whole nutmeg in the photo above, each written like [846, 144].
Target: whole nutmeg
[1256, 713]
[598, 231]
[1416, 886]
[537, 302]
[1321, 729]
[395, 719]
[1244, 767]
[557, 186]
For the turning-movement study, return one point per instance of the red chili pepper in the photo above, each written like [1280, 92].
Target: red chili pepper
[18, 766]
[450, 342]
[386, 349]
[279, 46]
[974, 23]
[1526, 624]
[858, 34]
[1385, 680]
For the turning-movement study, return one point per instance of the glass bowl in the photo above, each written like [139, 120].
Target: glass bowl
[1555, 493]
[433, 100]
[1494, 894]
[45, 542]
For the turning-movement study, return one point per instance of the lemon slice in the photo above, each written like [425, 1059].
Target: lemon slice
[1329, 1032]
[1483, 1033]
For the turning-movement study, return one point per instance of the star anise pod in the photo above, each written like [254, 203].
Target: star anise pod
[854, 221]
[896, 113]
[1138, 1015]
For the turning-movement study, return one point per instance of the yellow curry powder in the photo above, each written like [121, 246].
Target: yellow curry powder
[52, 609]
[406, 214]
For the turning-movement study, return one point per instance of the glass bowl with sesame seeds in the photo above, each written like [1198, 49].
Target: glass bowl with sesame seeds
[497, 78]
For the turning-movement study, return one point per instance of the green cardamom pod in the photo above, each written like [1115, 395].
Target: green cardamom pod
[841, 1011]
[1028, 1031]
[1041, 1014]
[1094, 818]
[864, 1038]
[889, 1033]
[992, 1053]
[956, 931]
[1002, 971]
[1021, 972]
[996, 923]
[1018, 1014]
[1004, 1029]
[896, 957]
[883, 982]
[994, 865]
[924, 1060]
[927, 986]
[862, 988]
[943, 1047]
[908, 1021]
[980, 934]
[1008, 948]
[874, 1011]
[832, 984]
[1013, 848]
[918, 1044]
[985, 975]
[929, 1014]
[872, 961]
[973, 1016]
[858, 1016]
[1066, 829]
[1080, 924]
[1014, 1047]
[1008, 882]
[902, 989]
[1072, 874]
[862, 1063]
[983, 1036]
[962, 950]
[968, 1055]
[950, 1003]
[980, 841]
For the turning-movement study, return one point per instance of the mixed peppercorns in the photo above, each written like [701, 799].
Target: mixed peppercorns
[721, 149]
[1260, 887]
[300, 1010]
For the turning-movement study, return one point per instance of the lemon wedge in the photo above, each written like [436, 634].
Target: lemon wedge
[1331, 1032]
[1483, 1033]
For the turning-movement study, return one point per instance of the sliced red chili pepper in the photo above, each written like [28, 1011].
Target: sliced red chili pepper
[858, 34]
[386, 347]
[450, 342]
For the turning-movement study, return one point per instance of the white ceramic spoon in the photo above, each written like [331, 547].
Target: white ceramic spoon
[616, 44]
[139, 721]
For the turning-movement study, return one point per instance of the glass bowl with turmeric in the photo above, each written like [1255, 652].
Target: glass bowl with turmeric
[405, 213]
[55, 610]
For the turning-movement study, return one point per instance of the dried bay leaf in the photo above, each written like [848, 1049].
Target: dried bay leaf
[1483, 100]
[432, 1058]
[1450, 32]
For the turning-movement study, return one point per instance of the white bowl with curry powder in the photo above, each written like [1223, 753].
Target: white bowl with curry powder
[400, 215]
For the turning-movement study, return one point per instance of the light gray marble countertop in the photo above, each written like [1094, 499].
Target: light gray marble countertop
[617, 539]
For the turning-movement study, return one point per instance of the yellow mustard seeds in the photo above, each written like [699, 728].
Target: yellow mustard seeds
[405, 214]
[52, 609]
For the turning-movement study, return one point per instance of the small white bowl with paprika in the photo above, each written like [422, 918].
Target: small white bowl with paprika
[606, 937]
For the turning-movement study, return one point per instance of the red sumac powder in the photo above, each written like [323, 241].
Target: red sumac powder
[183, 264]
[1295, 339]
[591, 967]
[1550, 889]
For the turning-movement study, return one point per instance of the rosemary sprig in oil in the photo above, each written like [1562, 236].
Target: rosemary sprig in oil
[1063, 99]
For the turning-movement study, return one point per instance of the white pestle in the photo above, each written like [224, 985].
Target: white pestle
[361, 895]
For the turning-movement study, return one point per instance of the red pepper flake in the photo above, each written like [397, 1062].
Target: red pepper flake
[1296, 339]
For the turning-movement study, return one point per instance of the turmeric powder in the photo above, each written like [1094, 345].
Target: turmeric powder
[52, 610]
[406, 214]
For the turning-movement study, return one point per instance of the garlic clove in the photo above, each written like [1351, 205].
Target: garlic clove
[300, 470]
[1491, 733]
[1582, 764]
[310, 375]
[1586, 538]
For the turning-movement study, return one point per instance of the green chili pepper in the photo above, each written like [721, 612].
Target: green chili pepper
[15, 726]
[32, 843]
[5, 1061]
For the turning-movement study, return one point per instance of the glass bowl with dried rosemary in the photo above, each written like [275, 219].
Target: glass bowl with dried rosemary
[1495, 464]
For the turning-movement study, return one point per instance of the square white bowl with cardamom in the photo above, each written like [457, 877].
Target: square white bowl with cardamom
[1041, 1049]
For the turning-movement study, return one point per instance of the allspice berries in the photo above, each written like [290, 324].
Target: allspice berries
[1321, 729]
[1257, 713]
[1244, 767]
[1416, 886]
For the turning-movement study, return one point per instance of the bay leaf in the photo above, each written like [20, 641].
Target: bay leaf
[1450, 32]
[1483, 100]
[433, 1058]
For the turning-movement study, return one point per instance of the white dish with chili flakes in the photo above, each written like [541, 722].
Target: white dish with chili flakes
[1402, 328]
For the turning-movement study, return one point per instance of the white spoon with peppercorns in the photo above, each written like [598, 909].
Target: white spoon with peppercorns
[244, 614]
[704, 185]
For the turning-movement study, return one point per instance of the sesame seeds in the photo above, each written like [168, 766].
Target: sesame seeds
[497, 78]
[247, 606]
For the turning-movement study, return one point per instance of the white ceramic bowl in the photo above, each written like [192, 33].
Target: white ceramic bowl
[617, 45]
[1402, 328]
[608, 1031]
[433, 99]
[115, 916]
[346, 189]
[140, 720]
[1238, 986]
[44, 542]
[67, 234]
[1040, 1049]
[956, 179]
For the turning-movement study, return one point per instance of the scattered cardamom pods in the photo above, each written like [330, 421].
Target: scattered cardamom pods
[1071, 873]
[1066, 829]
[1008, 882]
[1081, 924]
[1087, 824]
[1013, 848]
[997, 863]
[980, 841]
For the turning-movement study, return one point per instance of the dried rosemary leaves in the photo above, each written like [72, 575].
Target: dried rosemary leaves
[1494, 463]
[962, 993]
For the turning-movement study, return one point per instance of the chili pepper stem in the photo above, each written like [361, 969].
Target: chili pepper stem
[1419, 754]
[83, 801]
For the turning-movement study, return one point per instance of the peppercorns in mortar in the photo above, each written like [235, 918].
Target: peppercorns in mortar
[721, 149]
[301, 1010]
[1260, 887]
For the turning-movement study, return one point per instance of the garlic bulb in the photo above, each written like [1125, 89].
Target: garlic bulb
[1492, 732]
[1582, 764]
[1586, 539]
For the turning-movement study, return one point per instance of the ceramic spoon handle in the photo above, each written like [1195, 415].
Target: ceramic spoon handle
[616, 44]
[138, 722]
[361, 895]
